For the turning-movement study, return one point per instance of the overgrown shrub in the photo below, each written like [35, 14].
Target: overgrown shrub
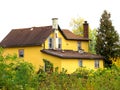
[16, 74]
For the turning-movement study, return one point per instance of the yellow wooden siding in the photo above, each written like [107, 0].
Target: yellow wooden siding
[55, 60]
[31, 54]
[84, 45]
[90, 64]
[72, 64]
[35, 56]
[68, 44]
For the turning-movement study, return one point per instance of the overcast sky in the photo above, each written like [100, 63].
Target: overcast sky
[28, 13]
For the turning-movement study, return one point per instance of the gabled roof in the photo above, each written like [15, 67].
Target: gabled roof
[70, 54]
[34, 36]
[27, 37]
[71, 36]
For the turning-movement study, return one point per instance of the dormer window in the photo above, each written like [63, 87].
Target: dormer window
[50, 43]
[79, 45]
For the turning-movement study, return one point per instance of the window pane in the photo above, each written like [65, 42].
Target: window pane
[96, 63]
[50, 42]
[79, 45]
[21, 53]
[80, 63]
[59, 43]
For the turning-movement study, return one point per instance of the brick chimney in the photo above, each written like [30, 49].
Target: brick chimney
[86, 29]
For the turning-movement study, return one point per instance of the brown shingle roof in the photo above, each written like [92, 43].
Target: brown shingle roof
[27, 36]
[34, 36]
[70, 36]
[71, 54]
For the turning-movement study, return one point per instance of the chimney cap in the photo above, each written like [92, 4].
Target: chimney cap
[54, 18]
[55, 23]
[85, 22]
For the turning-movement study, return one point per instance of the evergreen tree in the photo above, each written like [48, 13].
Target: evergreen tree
[107, 42]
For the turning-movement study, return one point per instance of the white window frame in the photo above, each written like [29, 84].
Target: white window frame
[50, 43]
[97, 64]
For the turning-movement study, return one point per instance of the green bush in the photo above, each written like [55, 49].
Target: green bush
[16, 74]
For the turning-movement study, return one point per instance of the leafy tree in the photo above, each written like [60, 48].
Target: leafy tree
[92, 43]
[77, 25]
[107, 39]
[77, 28]
[16, 74]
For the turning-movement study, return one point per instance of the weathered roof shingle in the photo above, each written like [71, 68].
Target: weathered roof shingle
[71, 36]
[70, 54]
[34, 36]
[27, 36]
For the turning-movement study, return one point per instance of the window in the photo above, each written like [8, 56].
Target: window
[79, 45]
[59, 43]
[50, 42]
[48, 66]
[80, 63]
[21, 53]
[96, 63]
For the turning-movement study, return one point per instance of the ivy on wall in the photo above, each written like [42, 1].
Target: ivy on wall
[48, 66]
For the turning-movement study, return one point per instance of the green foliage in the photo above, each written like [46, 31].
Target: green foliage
[92, 43]
[108, 44]
[24, 74]
[83, 79]
[77, 28]
[106, 79]
[48, 66]
[82, 72]
[77, 25]
[16, 74]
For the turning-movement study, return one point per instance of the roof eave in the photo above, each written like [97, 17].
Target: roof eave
[69, 57]
[13, 46]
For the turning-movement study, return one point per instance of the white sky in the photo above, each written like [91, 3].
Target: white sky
[28, 13]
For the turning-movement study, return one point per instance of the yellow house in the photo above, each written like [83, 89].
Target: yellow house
[60, 46]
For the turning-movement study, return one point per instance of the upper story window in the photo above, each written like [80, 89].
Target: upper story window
[97, 64]
[21, 52]
[59, 43]
[80, 63]
[50, 43]
[79, 45]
